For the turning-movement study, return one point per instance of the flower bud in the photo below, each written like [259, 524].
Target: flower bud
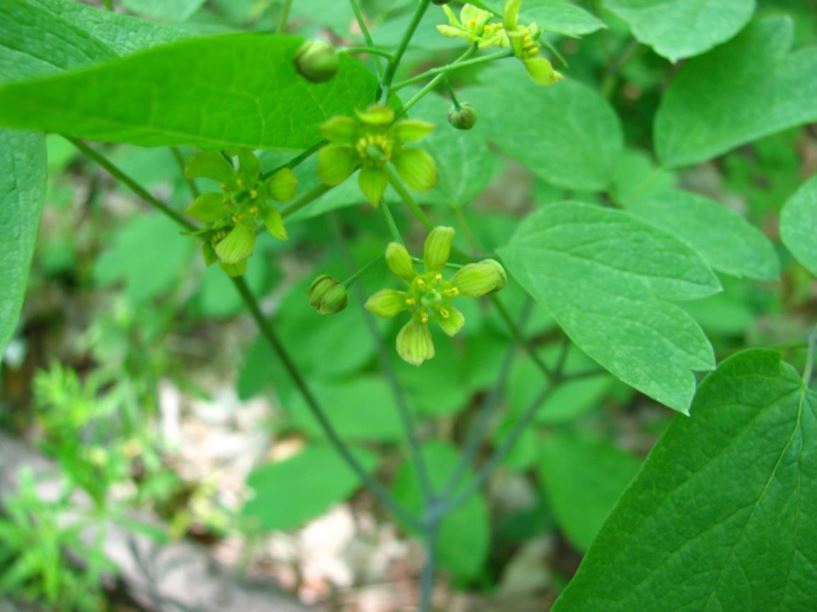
[399, 261]
[477, 279]
[317, 61]
[327, 295]
[462, 118]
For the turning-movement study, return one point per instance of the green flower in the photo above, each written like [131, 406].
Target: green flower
[428, 295]
[473, 25]
[523, 43]
[371, 141]
[234, 214]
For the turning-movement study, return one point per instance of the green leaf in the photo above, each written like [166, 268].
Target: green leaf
[22, 189]
[749, 88]
[171, 10]
[721, 515]
[606, 278]
[683, 28]
[292, 491]
[464, 535]
[798, 225]
[148, 254]
[118, 32]
[35, 42]
[726, 240]
[583, 476]
[566, 134]
[229, 90]
[558, 16]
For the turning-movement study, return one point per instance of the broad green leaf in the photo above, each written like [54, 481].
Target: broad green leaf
[229, 90]
[608, 279]
[728, 97]
[726, 240]
[292, 491]
[464, 535]
[35, 42]
[583, 476]
[22, 189]
[798, 225]
[683, 28]
[362, 408]
[566, 134]
[120, 33]
[558, 16]
[170, 10]
[148, 254]
[721, 515]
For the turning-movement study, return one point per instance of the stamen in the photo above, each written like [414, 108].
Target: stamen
[424, 317]
[444, 313]
[438, 277]
[452, 292]
[410, 301]
[421, 283]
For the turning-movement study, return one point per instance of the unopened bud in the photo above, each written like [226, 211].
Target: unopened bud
[317, 61]
[462, 118]
[476, 279]
[327, 295]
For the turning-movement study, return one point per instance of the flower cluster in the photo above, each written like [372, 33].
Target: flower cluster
[428, 294]
[234, 214]
[475, 26]
[371, 141]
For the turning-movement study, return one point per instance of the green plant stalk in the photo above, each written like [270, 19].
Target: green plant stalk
[520, 338]
[430, 565]
[267, 330]
[432, 84]
[390, 223]
[455, 65]
[391, 69]
[409, 201]
[367, 36]
[812, 347]
[369, 50]
[297, 160]
[191, 183]
[305, 200]
[132, 185]
[351, 280]
[284, 16]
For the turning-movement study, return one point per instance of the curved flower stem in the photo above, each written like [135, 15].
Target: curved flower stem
[409, 201]
[367, 36]
[520, 338]
[391, 69]
[434, 82]
[297, 160]
[283, 17]
[351, 280]
[305, 200]
[390, 223]
[369, 50]
[267, 330]
[455, 65]
[132, 184]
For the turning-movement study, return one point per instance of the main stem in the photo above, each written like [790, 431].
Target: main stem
[391, 69]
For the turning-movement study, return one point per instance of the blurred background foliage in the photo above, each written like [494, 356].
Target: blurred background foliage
[135, 369]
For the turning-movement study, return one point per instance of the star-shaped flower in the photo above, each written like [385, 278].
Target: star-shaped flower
[473, 25]
[370, 141]
[523, 42]
[427, 296]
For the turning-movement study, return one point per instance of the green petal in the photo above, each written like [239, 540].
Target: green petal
[237, 245]
[399, 261]
[336, 163]
[208, 207]
[476, 279]
[414, 343]
[452, 324]
[209, 253]
[373, 183]
[282, 185]
[452, 31]
[378, 115]
[417, 168]
[437, 248]
[236, 269]
[541, 71]
[209, 164]
[274, 223]
[340, 130]
[386, 303]
[409, 130]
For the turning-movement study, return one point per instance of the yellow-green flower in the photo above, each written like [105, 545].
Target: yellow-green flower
[474, 26]
[523, 43]
[370, 141]
[232, 216]
[428, 295]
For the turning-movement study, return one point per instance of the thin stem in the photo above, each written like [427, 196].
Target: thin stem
[284, 17]
[297, 160]
[304, 200]
[377, 489]
[403, 409]
[434, 82]
[367, 35]
[191, 183]
[132, 184]
[409, 201]
[391, 69]
[610, 78]
[520, 338]
[369, 50]
[389, 218]
[812, 347]
[351, 280]
[455, 65]
[430, 565]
